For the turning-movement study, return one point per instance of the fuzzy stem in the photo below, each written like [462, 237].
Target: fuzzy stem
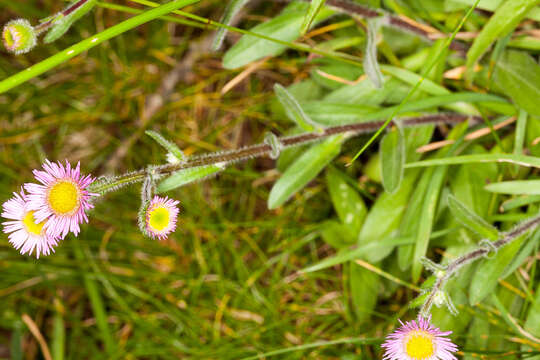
[265, 149]
[68, 10]
[476, 254]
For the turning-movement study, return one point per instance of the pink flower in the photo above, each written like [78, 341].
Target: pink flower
[419, 340]
[25, 233]
[161, 217]
[62, 199]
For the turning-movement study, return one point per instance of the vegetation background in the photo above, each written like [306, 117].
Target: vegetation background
[228, 284]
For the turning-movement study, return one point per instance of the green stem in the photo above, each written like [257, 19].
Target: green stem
[89, 43]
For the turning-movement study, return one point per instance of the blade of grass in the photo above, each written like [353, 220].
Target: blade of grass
[523, 160]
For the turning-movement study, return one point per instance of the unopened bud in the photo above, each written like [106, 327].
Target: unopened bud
[19, 36]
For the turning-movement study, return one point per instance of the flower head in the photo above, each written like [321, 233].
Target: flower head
[62, 199]
[419, 340]
[160, 219]
[25, 233]
[19, 36]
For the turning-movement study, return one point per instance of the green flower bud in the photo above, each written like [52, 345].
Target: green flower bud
[19, 36]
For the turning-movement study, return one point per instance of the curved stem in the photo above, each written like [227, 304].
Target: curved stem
[474, 255]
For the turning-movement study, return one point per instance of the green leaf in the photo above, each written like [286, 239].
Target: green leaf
[63, 23]
[505, 19]
[518, 75]
[304, 169]
[523, 160]
[532, 323]
[488, 272]
[364, 290]
[284, 27]
[186, 176]
[233, 7]
[171, 147]
[392, 159]
[525, 187]
[385, 216]
[337, 235]
[294, 110]
[314, 8]
[349, 206]
[471, 220]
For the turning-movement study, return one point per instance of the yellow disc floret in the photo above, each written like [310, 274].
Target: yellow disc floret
[419, 345]
[30, 223]
[63, 198]
[159, 218]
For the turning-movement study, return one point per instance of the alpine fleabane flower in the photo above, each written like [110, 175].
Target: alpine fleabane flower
[61, 199]
[25, 233]
[419, 340]
[160, 219]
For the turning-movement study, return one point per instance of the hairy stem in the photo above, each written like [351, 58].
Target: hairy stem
[265, 149]
[474, 255]
[68, 10]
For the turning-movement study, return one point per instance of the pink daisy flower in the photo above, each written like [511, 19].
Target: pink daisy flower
[62, 199]
[160, 219]
[419, 340]
[25, 233]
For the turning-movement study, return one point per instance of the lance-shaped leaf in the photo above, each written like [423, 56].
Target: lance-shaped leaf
[525, 187]
[304, 169]
[169, 146]
[371, 66]
[232, 9]
[186, 176]
[471, 220]
[505, 19]
[284, 27]
[517, 74]
[294, 110]
[62, 23]
[314, 8]
[392, 159]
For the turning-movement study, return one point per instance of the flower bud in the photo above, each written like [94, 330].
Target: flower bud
[19, 36]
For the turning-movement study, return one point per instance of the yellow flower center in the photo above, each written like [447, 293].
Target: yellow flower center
[64, 198]
[31, 225]
[159, 218]
[419, 345]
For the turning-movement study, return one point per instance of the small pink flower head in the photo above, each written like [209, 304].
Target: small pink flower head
[419, 340]
[25, 233]
[19, 36]
[62, 198]
[160, 219]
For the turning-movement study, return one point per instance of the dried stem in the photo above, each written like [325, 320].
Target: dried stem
[265, 149]
[479, 252]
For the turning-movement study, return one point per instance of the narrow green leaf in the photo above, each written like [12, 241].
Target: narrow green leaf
[523, 160]
[294, 111]
[314, 8]
[471, 220]
[518, 187]
[284, 27]
[517, 74]
[349, 206]
[58, 336]
[186, 176]
[385, 216]
[364, 290]
[63, 23]
[371, 65]
[171, 147]
[233, 8]
[488, 272]
[532, 322]
[304, 169]
[505, 19]
[392, 159]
